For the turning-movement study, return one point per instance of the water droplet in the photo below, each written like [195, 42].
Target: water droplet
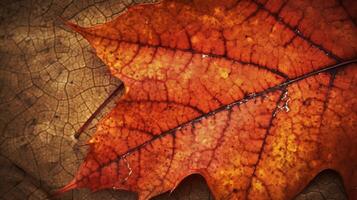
[297, 31]
[128, 167]
[275, 113]
[252, 95]
[204, 56]
[126, 155]
[285, 95]
[286, 106]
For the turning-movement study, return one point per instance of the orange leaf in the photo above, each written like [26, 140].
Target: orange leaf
[257, 97]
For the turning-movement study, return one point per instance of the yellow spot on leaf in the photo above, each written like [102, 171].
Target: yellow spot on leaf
[238, 81]
[224, 72]
[257, 185]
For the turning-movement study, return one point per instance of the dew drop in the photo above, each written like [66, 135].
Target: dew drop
[128, 167]
[297, 31]
[285, 103]
[285, 95]
[286, 106]
[252, 95]
[276, 112]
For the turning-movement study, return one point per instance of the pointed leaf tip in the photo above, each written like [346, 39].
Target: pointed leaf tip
[73, 26]
[70, 186]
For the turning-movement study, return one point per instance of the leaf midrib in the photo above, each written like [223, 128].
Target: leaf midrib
[248, 97]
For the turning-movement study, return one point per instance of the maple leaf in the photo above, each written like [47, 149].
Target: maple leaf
[257, 97]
